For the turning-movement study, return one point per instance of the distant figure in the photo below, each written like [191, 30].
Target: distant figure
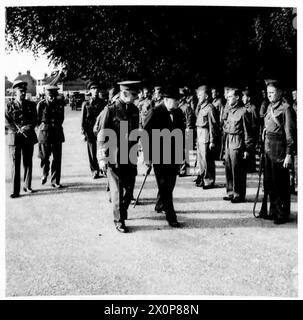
[144, 105]
[157, 96]
[20, 121]
[189, 122]
[90, 111]
[50, 135]
[254, 120]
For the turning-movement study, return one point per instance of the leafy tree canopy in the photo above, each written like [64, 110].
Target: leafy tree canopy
[186, 45]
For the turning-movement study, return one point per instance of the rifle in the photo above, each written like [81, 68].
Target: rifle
[142, 185]
[259, 180]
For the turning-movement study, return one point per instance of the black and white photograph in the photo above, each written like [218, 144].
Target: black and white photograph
[150, 150]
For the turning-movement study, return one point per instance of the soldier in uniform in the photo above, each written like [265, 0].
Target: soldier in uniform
[20, 121]
[189, 123]
[279, 144]
[223, 117]
[207, 133]
[294, 173]
[217, 101]
[238, 144]
[121, 176]
[157, 96]
[90, 111]
[145, 105]
[254, 119]
[165, 116]
[50, 114]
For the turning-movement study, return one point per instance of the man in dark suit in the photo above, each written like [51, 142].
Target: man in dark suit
[20, 121]
[166, 116]
[50, 134]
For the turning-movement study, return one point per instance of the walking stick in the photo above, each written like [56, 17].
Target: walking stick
[19, 129]
[259, 182]
[142, 185]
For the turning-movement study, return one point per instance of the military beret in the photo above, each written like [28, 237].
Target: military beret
[130, 85]
[19, 84]
[50, 87]
[93, 84]
[171, 92]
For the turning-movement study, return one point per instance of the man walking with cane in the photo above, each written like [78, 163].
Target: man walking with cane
[121, 176]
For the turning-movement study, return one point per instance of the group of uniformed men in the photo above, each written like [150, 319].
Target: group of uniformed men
[229, 129]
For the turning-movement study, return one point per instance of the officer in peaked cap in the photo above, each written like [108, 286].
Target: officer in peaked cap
[89, 112]
[121, 172]
[166, 116]
[19, 84]
[279, 135]
[50, 118]
[20, 121]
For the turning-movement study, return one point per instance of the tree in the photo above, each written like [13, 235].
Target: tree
[187, 45]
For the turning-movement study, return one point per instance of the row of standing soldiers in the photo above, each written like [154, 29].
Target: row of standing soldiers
[231, 129]
[227, 130]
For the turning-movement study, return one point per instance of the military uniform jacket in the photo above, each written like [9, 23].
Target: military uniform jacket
[219, 106]
[90, 111]
[144, 106]
[280, 124]
[160, 118]
[238, 127]
[189, 114]
[110, 118]
[254, 119]
[207, 120]
[21, 114]
[50, 120]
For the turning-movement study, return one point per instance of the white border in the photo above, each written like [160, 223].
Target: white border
[251, 3]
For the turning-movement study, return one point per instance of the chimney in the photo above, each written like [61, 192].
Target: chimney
[28, 72]
[5, 77]
[19, 73]
[45, 75]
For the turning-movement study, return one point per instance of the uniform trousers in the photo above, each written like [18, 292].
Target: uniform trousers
[121, 184]
[276, 178]
[45, 152]
[206, 163]
[15, 152]
[235, 171]
[92, 155]
[166, 180]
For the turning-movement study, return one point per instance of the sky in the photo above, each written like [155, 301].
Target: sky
[21, 62]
